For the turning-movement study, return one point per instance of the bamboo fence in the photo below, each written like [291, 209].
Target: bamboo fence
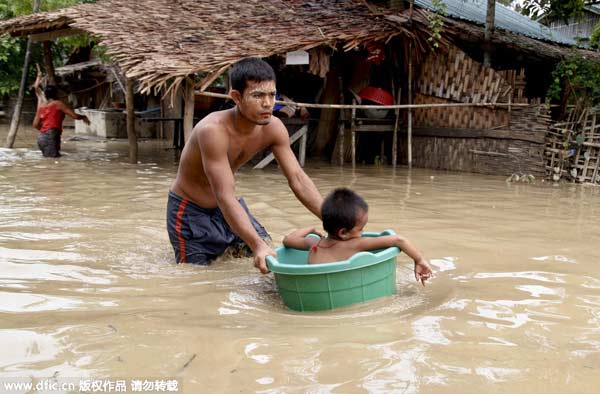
[573, 147]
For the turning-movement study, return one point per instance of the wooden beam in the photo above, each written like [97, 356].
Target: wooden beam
[410, 93]
[131, 136]
[535, 137]
[298, 134]
[54, 34]
[381, 128]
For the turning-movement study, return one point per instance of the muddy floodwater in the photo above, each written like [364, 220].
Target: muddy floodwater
[89, 288]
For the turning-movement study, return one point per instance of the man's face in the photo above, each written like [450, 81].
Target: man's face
[256, 104]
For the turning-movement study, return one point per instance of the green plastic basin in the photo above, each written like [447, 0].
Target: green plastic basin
[316, 287]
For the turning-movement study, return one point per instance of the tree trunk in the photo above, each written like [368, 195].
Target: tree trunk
[131, 136]
[489, 31]
[48, 63]
[16, 118]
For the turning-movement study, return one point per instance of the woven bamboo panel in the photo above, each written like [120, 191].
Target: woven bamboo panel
[455, 76]
[482, 155]
[533, 119]
[516, 80]
[516, 147]
[457, 117]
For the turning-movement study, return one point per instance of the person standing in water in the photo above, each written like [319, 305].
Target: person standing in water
[204, 217]
[49, 119]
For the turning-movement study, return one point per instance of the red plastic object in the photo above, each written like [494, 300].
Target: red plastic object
[376, 95]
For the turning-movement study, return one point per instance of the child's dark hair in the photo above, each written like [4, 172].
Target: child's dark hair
[50, 91]
[340, 210]
[250, 69]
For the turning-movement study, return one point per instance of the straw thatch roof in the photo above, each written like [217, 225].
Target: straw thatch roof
[39, 23]
[161, 42]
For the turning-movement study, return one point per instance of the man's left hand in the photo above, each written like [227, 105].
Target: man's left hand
[260, 256]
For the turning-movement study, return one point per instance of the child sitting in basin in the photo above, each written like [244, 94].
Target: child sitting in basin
[345, 214]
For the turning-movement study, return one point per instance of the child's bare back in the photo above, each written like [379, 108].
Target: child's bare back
[345, 215]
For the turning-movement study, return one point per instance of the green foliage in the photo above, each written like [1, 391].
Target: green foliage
[595, 38]
[436, 24]
[580, 78]
[12, 8]
[10, 71]
[12, 50]
[561, 8]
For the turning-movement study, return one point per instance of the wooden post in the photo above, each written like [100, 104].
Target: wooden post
[409, 148]
[489, 30]
[131, 136]
[299, 134]
[326, 129]
[16, 118]
[48, 62]
[302, 149]
[188, 114]
[161, 130]
[395, 137]
[341, 137]
[353, 131]
[509, 109]
[342, 126]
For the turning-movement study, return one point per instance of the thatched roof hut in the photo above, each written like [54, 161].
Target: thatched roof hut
[157, 41]
[163, 43]
[160, 42]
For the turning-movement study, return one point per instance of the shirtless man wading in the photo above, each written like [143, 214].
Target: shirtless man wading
[204, 217]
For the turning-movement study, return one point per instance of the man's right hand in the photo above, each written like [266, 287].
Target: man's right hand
[260, 256]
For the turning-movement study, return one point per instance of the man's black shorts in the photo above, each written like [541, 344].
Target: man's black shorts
[199, 235]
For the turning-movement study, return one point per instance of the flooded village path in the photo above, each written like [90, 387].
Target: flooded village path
[88, 286]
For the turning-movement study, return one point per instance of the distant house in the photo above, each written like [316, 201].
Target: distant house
[579, 28]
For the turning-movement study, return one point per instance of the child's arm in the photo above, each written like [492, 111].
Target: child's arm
[422, 269]
[297, 239]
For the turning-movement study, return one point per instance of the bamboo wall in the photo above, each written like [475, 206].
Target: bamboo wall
[498, 140]
[453, 77]
[457, 117]
[481, 155]
[519, 148]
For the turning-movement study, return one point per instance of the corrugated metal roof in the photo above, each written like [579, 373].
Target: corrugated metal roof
[507, 19]
[593, 8]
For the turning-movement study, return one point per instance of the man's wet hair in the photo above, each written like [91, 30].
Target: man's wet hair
[340, 210]
[50, 91]
[250, 69]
